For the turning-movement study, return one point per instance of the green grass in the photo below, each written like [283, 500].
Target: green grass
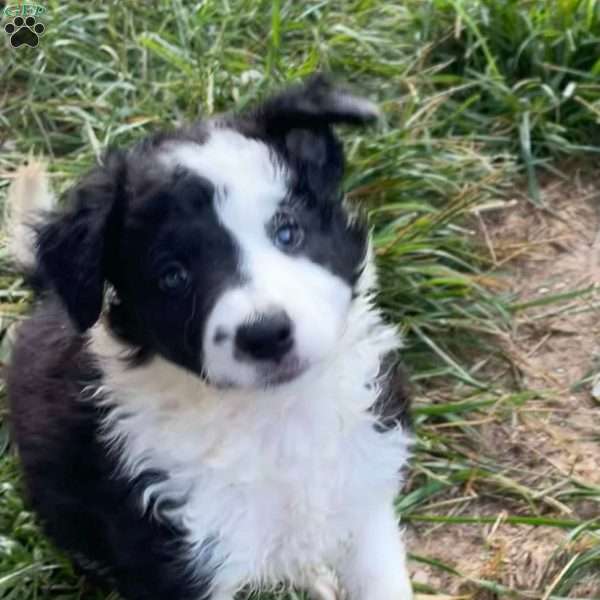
[474, 93]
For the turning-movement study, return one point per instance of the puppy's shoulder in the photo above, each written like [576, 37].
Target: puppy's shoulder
[49, 368]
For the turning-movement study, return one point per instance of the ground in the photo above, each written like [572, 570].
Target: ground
[550, 444]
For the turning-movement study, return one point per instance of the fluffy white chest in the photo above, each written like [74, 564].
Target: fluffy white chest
[277, 477]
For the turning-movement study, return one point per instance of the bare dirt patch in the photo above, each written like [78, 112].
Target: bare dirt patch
[553, 442]
[557, 346]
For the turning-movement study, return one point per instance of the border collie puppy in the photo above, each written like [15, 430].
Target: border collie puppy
[206, 397]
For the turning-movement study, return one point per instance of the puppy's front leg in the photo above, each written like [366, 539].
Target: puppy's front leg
[374, 567]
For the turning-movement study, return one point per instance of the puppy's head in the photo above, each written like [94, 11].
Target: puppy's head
[227, 244]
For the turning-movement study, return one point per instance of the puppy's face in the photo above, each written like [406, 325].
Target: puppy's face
[228, 245]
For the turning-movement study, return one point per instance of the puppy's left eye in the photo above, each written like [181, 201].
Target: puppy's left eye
[174, 279]
[288, 235]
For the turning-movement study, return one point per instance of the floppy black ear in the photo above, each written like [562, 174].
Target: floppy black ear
[299, 121]
[316, 102]
[73, 247]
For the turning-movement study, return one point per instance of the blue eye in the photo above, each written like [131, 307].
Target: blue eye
[174, 279]
[288, 236]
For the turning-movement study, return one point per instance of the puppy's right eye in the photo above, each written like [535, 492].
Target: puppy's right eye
[174, 279]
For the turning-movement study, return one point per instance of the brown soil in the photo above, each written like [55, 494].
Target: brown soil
[538, 252]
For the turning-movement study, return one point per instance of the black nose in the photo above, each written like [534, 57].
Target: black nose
[267, 338]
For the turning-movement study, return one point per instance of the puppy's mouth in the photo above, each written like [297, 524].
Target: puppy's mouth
[285, 371]
[268, 375]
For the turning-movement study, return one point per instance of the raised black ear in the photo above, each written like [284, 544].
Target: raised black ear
[314, 103]
[73, 248]
[298, 122]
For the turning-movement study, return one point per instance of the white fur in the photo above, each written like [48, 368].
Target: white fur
[250, 187]
[28, 197]
[289, 478]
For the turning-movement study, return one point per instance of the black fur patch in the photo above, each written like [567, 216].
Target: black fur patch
[171, 222]
[85, 506]
[75, 247]
[392, 407]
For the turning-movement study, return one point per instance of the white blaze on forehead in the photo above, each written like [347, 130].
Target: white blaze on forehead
[248, 181]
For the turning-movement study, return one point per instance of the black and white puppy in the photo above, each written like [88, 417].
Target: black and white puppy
[205, 396]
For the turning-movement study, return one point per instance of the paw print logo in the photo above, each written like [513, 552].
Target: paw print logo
[24, 32]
